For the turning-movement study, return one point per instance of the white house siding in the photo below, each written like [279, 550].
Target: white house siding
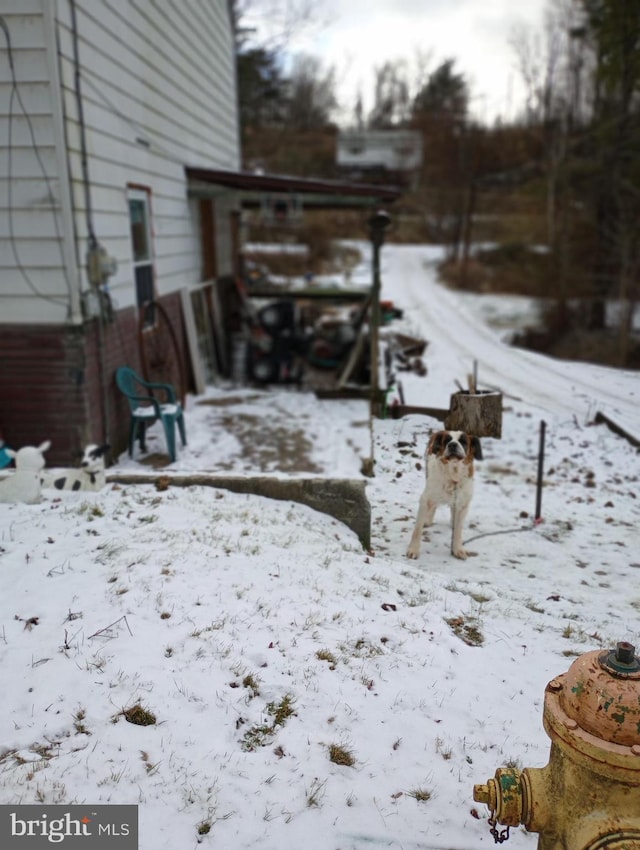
[158, 93]
[36, 261]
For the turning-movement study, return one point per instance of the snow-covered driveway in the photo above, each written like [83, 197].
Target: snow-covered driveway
[456, 338]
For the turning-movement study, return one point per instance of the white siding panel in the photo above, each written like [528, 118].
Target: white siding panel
[159, 138]
[26, 27]
[31, 66]
[167, 185]
[173, 264]
[42, 284]
[21, 129]
[36, 97]
[29, 194]
[158, 90]
[176, 225]
[130, 107]
[33, 254]
[21, 7]
[34, 283]
[111, 225]
[160, 68]
[158, 94]
[25, 163]
[20, 310]
[25, 223]
[112, 198]
[145, 75]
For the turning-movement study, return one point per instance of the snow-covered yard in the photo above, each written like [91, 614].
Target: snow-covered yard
[307, 693]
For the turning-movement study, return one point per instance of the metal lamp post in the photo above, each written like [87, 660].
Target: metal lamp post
[378, 224]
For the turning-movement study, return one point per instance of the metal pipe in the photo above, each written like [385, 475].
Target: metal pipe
[378, 223]
[543, 429]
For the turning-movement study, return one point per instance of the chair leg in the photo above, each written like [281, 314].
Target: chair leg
[169, 424]
[137, 431]
[142, 439]
[181, 428]
[132, 435]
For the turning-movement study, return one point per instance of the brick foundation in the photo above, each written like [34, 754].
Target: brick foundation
[51, 385]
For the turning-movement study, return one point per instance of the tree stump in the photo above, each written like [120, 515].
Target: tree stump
[478, 414]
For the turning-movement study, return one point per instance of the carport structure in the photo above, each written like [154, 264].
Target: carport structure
[283, 197]
[251, 189]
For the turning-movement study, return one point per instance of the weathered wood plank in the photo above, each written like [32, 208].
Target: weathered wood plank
[397, 411]
[617, 428]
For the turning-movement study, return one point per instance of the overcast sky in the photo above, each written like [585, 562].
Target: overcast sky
[357, 35]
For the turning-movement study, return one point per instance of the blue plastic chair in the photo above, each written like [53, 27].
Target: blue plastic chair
[149, 402]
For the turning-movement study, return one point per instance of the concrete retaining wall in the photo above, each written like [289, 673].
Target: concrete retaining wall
[344, 499]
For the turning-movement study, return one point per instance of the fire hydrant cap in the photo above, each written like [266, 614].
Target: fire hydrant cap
[601, 692]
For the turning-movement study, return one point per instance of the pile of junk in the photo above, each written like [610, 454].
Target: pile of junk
[288, 340]
[285, 339]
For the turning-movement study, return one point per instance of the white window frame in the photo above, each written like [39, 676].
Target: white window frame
[143, 267]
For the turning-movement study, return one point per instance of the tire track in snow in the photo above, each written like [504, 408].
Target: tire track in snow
[454, 333]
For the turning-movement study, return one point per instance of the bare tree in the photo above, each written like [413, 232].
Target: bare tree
[538, 55]
[274, 24]
[582, 76]
[613, 27]
[391, 105]
[312, 98]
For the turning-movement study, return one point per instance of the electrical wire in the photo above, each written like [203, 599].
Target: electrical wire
[15, 95]
[504, 531]
[141, 131]
[104, 299]
[93, 241]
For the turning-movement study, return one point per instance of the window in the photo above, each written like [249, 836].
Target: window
[140, 223]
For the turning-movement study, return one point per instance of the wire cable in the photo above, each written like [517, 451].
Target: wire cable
[141, 132]
[93, 241]
[504, 531]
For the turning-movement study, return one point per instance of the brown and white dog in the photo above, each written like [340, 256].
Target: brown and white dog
[450, 456]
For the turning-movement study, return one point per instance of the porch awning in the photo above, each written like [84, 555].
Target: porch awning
[318, 194]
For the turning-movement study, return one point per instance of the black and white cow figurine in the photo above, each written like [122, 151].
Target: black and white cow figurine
[90, 475]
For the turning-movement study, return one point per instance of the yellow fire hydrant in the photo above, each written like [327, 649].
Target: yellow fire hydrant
[588, 796]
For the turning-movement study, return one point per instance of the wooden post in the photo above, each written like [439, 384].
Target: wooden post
[477, 413]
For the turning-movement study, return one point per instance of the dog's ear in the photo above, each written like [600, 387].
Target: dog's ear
[44, 447]
[436, 443]
[101, 450]
[476, 448]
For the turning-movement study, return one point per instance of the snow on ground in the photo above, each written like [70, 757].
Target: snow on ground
[267, 643]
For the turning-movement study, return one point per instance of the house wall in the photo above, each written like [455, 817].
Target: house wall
[108, 412]
[53, 388]
[37, 281]
[158, 94]
[43, 391]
